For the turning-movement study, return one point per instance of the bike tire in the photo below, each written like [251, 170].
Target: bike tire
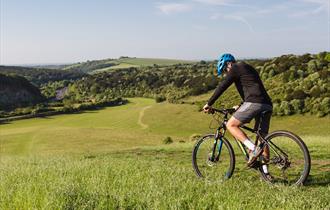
[277, 135]
[230, 152]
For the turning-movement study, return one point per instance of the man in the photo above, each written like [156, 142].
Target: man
[255, 101]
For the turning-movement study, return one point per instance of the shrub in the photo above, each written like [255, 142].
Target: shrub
[315, 92]
[325, 105]
[160, 98]
[327, 57]
[286, 108]
[195, 137]
[168, 140]
[297, 105]
[297, 94]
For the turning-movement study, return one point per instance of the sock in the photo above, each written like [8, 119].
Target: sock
[249, 144]
[265, 168]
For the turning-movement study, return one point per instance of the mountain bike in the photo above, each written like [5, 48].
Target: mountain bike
[289, 162]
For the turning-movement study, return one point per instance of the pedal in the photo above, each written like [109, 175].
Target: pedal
[256, 165]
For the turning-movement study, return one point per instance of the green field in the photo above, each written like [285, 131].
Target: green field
[140, 62]
[126, 62]
[152, 61]
[114, 158]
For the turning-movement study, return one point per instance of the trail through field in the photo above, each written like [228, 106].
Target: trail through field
[141, 114]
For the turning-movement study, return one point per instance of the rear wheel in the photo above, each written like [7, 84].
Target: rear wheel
[214, 168]
[289, 161]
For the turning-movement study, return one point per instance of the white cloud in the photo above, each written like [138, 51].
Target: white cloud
[233, 17]
[322, 6]
[215, 2]
[169, 8]
[307, 13]
[322, 2]
[239, 19]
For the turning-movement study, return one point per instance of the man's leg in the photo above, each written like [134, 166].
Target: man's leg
[233, 126]
[264, 128]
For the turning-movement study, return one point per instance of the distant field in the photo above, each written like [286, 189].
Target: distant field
[114, 158]
[118, 66]
[152, 61]
[122, 63]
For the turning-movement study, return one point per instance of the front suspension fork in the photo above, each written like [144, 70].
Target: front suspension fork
[217, 146]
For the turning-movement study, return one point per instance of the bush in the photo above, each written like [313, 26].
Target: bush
[286, 108]
[195, 137]
[168, 140]
[160, 98]
[315, 92]
[298, 105]
[276, 109]
[325, 105]
[297, 94]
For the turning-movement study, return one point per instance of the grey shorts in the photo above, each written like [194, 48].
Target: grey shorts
[248, 111]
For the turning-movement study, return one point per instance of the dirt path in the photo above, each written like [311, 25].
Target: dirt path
[144, 126]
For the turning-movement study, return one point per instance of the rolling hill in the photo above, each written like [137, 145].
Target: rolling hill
[16, 91]
[40, 76]
[121, 63]
[114, 158]
[296, 84]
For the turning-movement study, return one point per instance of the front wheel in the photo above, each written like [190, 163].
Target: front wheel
[213, 159]
[289, 160]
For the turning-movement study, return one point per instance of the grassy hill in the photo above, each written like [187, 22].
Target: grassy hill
[296, 84]
[16, 91]
[40, 76]
[115, 159]
[121, 63]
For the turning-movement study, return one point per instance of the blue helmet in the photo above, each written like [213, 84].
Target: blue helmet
[223, 59]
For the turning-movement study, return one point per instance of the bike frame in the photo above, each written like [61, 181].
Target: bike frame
[221, 131]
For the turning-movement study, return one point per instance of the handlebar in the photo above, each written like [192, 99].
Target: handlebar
[222, 111]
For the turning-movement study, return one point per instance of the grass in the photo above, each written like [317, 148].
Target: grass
[107, 160]
[139, 62]
[122, 63]
[152, 61]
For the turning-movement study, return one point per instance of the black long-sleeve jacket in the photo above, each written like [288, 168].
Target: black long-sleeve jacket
[247, 82]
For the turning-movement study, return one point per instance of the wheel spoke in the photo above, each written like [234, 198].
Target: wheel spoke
[289, 158]
[214, 170]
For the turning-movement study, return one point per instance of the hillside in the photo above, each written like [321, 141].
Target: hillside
[40, 76]
[297, 84]
[120, 63]
[106, 159]
[16, 91]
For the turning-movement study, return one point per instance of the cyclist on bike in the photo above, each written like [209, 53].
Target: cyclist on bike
[255, 101]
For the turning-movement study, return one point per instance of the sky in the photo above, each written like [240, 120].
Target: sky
[67, 31]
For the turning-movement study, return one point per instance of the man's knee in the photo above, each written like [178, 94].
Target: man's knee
[233, 123]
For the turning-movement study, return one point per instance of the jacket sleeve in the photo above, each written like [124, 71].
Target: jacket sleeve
[229, 79]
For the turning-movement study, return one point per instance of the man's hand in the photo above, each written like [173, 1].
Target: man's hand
[207, 108]
[236, 107]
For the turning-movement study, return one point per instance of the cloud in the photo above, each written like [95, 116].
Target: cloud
[169, 8]
[307, 13]
[214, 2]
[227, 3]
[233, 17]
[240, 19]
[322, 6]
[322, 2]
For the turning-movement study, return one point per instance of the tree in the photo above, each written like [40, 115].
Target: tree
[297, 105]
[315, 92]
[286, 108]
